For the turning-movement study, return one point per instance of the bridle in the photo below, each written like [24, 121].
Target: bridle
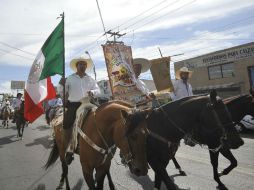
[166, 141]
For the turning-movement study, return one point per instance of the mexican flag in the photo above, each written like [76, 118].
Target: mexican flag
[48, 62]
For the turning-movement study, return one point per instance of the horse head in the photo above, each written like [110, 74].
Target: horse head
[232, 138]
[134, 153]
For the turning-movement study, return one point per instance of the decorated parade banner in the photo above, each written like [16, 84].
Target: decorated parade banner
[161, 74]
[122, 79]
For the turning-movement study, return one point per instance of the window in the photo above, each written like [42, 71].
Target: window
[221, 71]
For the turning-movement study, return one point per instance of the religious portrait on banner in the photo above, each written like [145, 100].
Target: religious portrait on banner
[122, 79]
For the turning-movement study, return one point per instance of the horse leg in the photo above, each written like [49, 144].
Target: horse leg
[110, 181]
[157, 182]
[181, 172]
[160, 170]
[22, 129]
[99, 176]
[89, 180]
[64, 176]
[233, 162]
[214, 161]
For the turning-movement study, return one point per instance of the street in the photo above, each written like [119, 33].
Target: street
[21, 165]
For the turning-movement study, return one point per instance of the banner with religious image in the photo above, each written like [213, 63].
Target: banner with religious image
[122, 79]
[161, 74]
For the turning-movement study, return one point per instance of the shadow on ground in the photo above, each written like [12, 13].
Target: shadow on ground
[7, 140]
[44, 141]
[148, 184]
[78, 186]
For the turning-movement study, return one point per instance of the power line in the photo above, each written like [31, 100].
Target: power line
[5, 44]
[16, 54]
[181, 7]
[155, 12]
[139, 14]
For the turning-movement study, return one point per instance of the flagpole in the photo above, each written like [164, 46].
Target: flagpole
[64, 102]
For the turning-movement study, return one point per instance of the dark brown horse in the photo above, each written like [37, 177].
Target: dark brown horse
[169, 123]
[20, 120]
[105, 128]
[238, 106]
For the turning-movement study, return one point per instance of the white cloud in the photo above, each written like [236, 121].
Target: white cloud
[27, 24]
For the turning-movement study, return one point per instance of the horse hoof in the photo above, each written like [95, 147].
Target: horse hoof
[220, 174]
[221, 187]
[182, 173]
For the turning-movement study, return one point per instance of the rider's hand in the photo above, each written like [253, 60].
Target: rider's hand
[152, 95]
[90, 93]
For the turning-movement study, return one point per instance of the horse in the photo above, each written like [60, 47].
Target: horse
[102, 130]
[6, 113]
[238, 106]
[20, 120]
[169, 123]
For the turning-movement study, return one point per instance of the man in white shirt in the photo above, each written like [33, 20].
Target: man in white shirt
[16, 105]
[181, 86]
[141, 65]
[77, 86]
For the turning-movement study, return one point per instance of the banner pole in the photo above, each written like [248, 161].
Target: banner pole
[64, 101]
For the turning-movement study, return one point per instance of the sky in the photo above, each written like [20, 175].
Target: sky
[187, 27]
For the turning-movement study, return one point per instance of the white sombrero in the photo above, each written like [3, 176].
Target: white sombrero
[74, 62]
[145, 64]
[183, 70]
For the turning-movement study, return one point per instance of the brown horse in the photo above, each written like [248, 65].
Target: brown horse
[102, 130]
[6, 113]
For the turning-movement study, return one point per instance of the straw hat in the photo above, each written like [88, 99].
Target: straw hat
[145, 64]
[183, 70]
[74, 62]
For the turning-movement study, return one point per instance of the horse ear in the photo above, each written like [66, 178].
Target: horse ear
[213, 95]
[125, 114]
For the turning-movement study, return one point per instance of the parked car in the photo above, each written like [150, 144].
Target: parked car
[247, 123]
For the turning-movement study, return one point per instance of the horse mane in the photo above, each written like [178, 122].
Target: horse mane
[242, 99]
[120, 102]
[134, 119]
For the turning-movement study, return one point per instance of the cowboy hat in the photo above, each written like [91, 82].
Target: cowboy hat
[73, 64]
[183, 70]
[145, 64]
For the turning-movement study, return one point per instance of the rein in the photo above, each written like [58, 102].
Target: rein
[164, 140]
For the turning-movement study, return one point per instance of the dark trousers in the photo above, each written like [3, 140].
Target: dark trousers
[70, 114]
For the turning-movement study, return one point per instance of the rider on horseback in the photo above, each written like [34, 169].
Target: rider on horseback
[16, 105]
[79, 85]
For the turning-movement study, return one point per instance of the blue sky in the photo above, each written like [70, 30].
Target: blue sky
[188, 27]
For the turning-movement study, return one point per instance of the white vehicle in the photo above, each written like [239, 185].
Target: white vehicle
[246, 123]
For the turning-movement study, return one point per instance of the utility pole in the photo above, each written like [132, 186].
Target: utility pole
[115, 35]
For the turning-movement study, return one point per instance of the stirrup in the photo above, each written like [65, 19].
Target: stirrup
[69, 157]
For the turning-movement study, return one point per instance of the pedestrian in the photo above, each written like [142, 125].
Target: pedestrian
[182, 88]
[78, 85]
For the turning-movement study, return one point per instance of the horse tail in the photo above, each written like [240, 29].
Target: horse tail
[53, 156]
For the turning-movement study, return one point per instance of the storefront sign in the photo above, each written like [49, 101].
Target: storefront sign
[221, 57]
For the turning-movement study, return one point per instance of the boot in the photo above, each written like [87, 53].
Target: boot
[67, 135]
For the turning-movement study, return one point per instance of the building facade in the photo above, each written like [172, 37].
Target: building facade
[229, 71]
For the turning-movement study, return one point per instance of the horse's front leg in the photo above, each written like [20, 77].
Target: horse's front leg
[157, 182]
[89, 179]
[214, 161]
[233, 162]
[181, 172]
[160, 170]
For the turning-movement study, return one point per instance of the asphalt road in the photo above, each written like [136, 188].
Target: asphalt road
[21, 163]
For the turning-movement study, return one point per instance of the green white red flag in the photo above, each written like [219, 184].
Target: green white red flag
[48, 62]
